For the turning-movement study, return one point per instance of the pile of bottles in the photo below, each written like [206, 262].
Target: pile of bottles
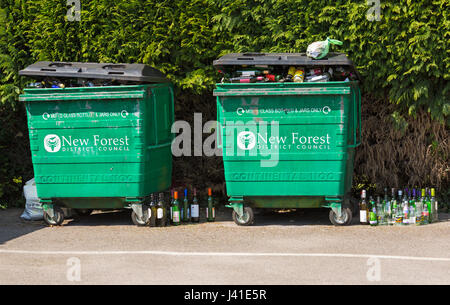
[282, 74]
[176, 212]
[409, 207]
[75, 82]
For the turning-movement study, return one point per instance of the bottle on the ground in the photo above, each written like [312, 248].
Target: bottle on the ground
[186, 208]
[363, 209]
[434, 207]
[210, 210]
[176, 210]
[161, 212]
[195, 208]
[152, 211]
[373, 212]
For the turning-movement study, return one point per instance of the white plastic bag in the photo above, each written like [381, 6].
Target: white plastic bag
[319, 49]
[33, 208]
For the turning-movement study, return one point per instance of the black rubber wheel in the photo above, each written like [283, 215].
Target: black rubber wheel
[345, 220]
[246, 219]
[140, 222]
[84, 212]
[57, 219]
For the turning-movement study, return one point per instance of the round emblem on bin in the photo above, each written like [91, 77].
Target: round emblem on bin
[52, 143]
[246, 140]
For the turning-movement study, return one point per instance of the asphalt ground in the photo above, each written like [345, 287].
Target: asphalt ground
[299, 247]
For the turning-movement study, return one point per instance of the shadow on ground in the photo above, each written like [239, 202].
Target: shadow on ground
[12, 226]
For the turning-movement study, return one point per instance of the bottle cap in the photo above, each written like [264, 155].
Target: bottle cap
[432, 192]
[175, 195]
[209, 192]
[185, 192]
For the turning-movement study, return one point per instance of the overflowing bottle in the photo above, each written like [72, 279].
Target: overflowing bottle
[409, 207]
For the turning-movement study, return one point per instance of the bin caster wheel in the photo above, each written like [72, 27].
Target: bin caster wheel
[57, 219]
[84, 212]
[344, 220]
[138, 221]
[246, 219]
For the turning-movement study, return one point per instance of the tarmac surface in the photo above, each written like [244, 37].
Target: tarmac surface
[299, 247]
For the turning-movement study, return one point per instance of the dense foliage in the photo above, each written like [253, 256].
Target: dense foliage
[403, 57]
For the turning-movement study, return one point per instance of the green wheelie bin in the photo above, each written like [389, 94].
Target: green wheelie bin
[288, 144]
[99, 136]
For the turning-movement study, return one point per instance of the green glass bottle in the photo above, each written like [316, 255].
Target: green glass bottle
[430, 210]
[161, 212]
[176, 210]
[373, 212]
[186, 208]
[210, 211]
[195, 208]
[425, 212]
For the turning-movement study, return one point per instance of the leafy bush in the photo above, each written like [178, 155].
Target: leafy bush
[403, 58]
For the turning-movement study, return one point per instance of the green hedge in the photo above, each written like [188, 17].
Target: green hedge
[404, 56]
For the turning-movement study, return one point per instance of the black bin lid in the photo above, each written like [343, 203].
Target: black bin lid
[124, 72]
[283, 59]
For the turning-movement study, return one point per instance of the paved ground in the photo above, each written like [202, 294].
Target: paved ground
[288, 248]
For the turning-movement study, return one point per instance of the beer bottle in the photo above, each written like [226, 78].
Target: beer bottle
[161, 214]
[210, 211]
[373, 212]
[176, 210]
[195, 208]
[186, 207]
[363, 210]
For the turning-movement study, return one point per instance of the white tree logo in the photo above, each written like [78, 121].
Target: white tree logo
[52, 143]
[246, 140]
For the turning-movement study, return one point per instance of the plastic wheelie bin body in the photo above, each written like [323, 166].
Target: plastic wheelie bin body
[288, 145]
[101, 147]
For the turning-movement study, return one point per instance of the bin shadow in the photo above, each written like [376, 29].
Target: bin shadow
[102, 218]
[12, 226]
[288, 217]
[294, 217]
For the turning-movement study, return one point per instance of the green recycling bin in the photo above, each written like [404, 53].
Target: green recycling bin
[100, 138]
[288, 144]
